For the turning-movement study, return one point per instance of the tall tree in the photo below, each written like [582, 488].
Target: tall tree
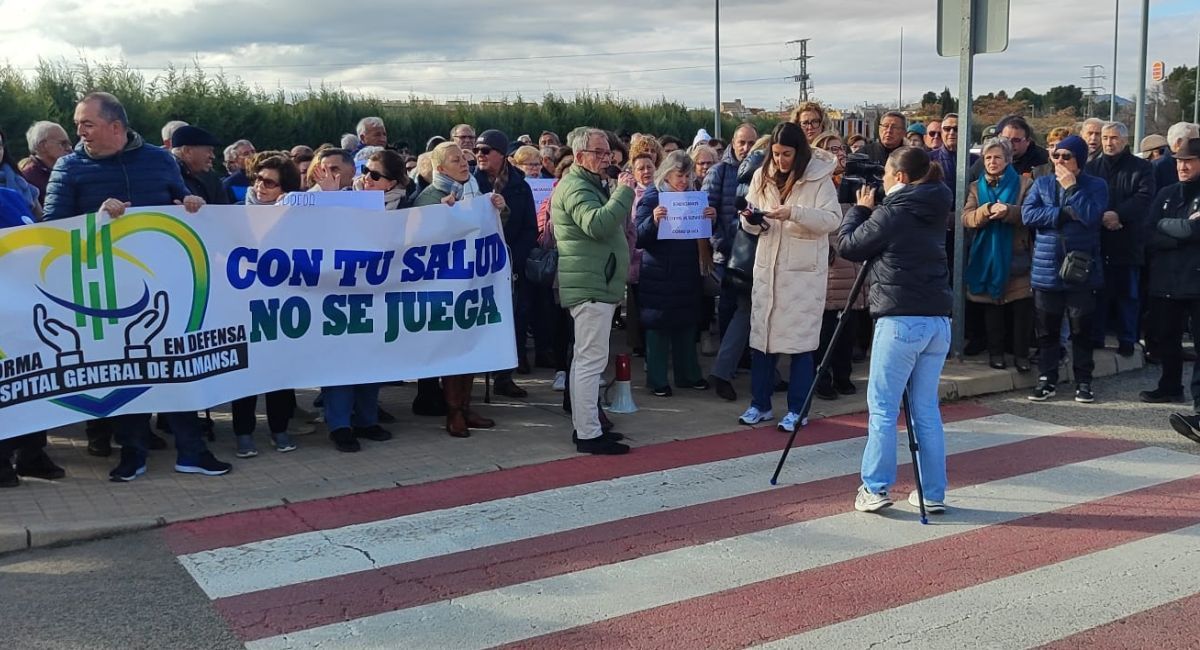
[1028, 97]
[929, 98]
[949, 104]
[1061, 97]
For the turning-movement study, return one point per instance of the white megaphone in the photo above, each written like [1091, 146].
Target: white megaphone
[623, 386]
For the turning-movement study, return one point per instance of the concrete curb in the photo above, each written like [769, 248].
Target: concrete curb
[960, 380]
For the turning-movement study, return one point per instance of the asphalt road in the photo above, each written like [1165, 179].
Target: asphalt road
[129, 592]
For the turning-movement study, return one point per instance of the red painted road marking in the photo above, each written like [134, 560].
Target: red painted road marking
[311, 604]
[1172, 626]
[786, 606]
[322, 514]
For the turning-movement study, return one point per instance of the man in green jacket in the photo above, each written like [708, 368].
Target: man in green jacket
[593, 264]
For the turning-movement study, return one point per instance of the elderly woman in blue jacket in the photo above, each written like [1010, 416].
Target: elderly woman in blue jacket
[1064, 212]
[670, 287]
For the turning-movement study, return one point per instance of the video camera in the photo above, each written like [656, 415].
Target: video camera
[860, 171]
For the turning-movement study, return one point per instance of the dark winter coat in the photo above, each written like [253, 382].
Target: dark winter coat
[670, 288]
[1174, 242]
[1166, 173]
[520, 230]
[206, 186]
[906, 238]
[142, 174]
[1131, 188]
[721, 183]
[1057, 230]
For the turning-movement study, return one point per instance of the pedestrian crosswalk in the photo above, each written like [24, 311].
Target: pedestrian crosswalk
[1052, 536]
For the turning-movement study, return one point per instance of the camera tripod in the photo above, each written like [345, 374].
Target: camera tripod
[826, 366]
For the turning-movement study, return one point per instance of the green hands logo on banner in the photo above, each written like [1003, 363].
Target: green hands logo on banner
[96, 310]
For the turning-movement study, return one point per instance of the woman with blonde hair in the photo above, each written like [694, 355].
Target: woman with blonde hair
[811, 119]
[528, 159]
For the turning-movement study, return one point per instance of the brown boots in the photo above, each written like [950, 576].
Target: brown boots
[459, 417]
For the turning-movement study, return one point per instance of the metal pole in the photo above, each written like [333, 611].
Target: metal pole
[1112, 95]
[900, 96]
[1139, 128]
[717, 66]
[1196, 99]
[966, 70]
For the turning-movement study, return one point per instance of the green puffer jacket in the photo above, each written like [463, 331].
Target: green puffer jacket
[589, 225]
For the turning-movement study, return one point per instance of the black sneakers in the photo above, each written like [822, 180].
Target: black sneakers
[205, 464]
[344, 440]
[723, 388]
[1160, 396]
[1083, 394]
[1187, 426]
[132, 465]
[602, 446]
[508, 388]
[373, 432]
[1044, 391]
[663, 391]
[40, 466]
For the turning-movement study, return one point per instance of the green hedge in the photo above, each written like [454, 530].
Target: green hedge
[231, 109]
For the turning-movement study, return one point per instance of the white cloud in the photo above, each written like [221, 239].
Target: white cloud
[392, 48]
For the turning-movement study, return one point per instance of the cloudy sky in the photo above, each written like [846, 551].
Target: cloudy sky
[641, 49]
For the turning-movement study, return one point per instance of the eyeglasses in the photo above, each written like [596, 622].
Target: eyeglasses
[1063, 156]
[483, 151]
[1016, 140]
[810, 122]
[934, 134]
[836, 149]
[465, 136]
[600, 153]
[269, 183]
[949, 129]
[376, 175]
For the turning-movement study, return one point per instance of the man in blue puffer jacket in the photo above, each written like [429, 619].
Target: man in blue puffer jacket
[1065, 212]
[111, 169]
[723, 187]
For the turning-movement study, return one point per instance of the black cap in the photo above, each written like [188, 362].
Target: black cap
[494, 139]
[1190, 150]
[193, 136]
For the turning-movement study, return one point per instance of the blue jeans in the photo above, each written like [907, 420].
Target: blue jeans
[347, 406]
[908, 352]
[763, 379]
[1120, 295]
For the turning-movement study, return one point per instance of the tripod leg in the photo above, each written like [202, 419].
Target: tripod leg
[914, 448]
[825, 367]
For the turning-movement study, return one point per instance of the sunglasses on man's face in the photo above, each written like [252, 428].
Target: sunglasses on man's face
[950, 129]
[934, 134]
[1063, 156]
[375, 176]
[483, 151]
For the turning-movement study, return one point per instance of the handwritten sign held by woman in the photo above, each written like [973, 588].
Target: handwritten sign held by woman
[685, 216]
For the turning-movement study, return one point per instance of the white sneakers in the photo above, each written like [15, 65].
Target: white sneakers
[931, 506]
[791, 421]
[867, 501]
[754, 416]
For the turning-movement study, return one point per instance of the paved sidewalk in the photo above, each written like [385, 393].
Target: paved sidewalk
[85, 505]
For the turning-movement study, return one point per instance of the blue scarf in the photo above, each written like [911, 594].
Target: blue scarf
[991, 253]
[444, 183]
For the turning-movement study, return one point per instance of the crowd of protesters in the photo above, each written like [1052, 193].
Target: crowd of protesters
[1066, 244]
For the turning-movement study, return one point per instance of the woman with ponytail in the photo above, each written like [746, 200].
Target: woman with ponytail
[905, 241]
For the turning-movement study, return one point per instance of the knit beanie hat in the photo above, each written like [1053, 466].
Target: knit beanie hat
[1077, 147]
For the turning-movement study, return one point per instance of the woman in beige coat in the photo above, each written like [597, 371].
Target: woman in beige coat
[1006, 293]
[794, 190]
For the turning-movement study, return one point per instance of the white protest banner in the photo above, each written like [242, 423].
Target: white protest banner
[362, 199]
[685, 216]
[541, 189]
[161, 310]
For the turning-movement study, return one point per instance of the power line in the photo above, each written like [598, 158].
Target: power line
[355, 64]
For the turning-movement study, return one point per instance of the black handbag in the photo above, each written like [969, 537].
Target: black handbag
[739, 270]
[1076, 266]
[541, 267]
